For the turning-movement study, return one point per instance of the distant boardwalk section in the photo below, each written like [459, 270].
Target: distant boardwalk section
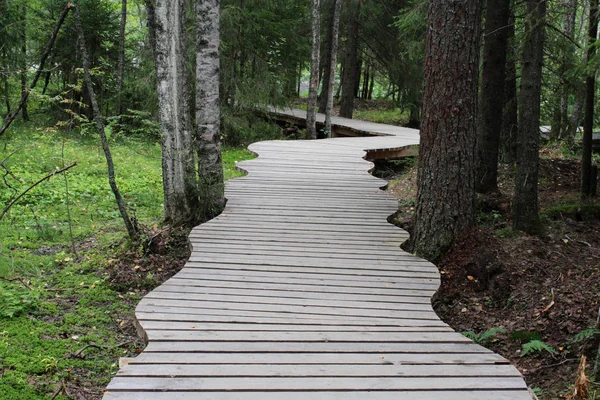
[299, 291]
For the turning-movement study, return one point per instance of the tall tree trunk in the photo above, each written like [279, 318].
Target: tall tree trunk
[178, 169]
[587, 186]
[351, 60]
[325, 59]
[332, 65]
[492, 95]
[560, 117]
[61, 19]
[121, 66]
[446, 175]
[151, 16]
[130, 224]
[371, 85]
[24, 94]
[525, 202]
[509, 131]
[208, 113]
[311, 117]
[5, 83]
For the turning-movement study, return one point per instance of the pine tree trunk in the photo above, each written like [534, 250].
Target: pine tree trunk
[24, 112]
[326, 58]
[588, 123]
[130, 224]
[121, 66]
[208, 113]
[446, 175]
[509, 132]
[350, 61]
[492, 94]
[151, 16]
[178, 169]
[332, 65]
[311, 117]
[525, 202]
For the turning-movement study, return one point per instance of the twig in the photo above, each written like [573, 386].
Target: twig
[50, 175]
[97, 346]
[17, 280]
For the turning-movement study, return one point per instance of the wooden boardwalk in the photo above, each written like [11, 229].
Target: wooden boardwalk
[300, 291]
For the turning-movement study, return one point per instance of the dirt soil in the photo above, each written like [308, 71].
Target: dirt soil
[544, 288]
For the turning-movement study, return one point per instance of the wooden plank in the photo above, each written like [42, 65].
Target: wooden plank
[306, 337]
[321, 358]
[212, 316]
[490, 394]
[323, 383]
[290, 294]
[263, 327]
[313, 347]
[307, 370]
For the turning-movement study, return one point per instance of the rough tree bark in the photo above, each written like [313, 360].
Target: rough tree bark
[208, 115]
[561, 119]
[311, 117]
[525, 202]
[24, 113]
[121, 65]
[178, 164]
[332, 64]
[587, 172]
[510, 122]
[11, 117]
[326, 57]
[351, 69]
[130, 224]
[492, 95]
[446, 193]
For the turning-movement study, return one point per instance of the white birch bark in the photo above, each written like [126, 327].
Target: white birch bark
[208, 116]
[311, 117]
[179, 179]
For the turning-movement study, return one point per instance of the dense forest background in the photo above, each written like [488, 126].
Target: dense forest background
[70, 276]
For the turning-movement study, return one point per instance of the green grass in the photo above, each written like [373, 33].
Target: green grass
[393, 116]
[53, 303]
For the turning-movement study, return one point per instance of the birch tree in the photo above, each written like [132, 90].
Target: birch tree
[178, 165]
[208, 116]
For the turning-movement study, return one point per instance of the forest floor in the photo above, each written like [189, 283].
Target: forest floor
[532, 299]
[69, 280]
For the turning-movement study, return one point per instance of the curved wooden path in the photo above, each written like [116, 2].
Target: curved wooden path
[300, 291]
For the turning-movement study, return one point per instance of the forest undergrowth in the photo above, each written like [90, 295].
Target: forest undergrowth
[69, 279]
[532, 299]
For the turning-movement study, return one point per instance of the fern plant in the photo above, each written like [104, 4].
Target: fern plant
[484, 337]
[586, 334]
[536, 346]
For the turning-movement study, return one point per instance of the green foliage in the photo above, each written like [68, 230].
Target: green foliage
[394, 116]
[14, 302]
[241, 128]
[585, 211]
[535, 346]
[484, 337]
[586, 334]
[524, 336]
